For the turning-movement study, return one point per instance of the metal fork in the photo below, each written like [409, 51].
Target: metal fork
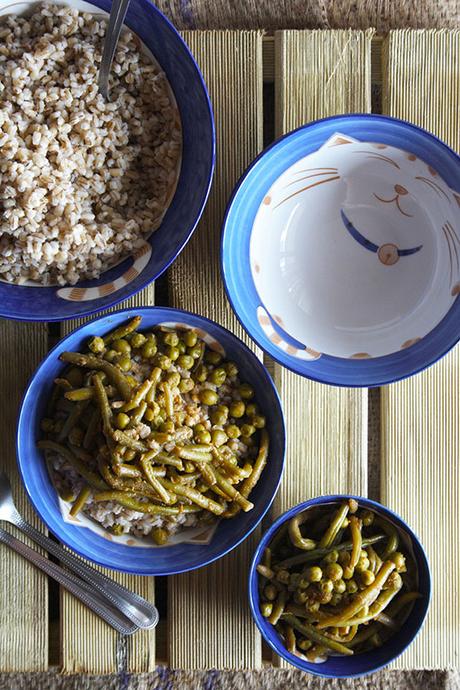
[116, 19]
[134, 607]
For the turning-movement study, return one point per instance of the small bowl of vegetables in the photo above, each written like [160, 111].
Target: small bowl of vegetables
[339, 586]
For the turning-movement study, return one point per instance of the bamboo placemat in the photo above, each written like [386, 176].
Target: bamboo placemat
[420, 416]
[206, 622]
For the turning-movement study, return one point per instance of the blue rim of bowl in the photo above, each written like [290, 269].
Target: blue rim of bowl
[268, 536]
[175, 314]
[306, 368]
[144, 283]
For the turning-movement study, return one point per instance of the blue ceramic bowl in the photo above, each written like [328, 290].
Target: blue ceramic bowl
[340, 250]
[367, 662]
[198, 155]
[139, 560]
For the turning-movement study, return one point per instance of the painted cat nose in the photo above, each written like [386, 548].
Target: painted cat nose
[400, 190]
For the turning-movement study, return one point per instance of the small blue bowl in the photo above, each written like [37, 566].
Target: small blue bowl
[367, 662]
[30, 303]
[339, 250]
[139, 560]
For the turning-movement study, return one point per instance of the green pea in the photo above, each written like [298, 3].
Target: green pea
[208, 397]
[149, 349]
[237, 409]
[203, 437]
[246, 391]
[201, 373]
[129, 454]
[173, 379]
[340, 586]
[334, 571]
[336, 599]
[121, 346]
[195, 351]
[110, 355]
[367, 577]
[251, 409]
[124, 362]
[326, 586]
[313, 573]
[220, 415]
[218, 376]
[159, 536]
[190, 338]
[231, 369]
[185, 361]
[282, 576]
[122, 420]
[181, 347]
[232, 431]
[172, 352]
[163, 362]
[399, 561]
[351, 587]
[304, 644]
[300, 597]
[171, 339]
[137, 340]
[258, 421]
[186, 385]
[213, 357]
[270, 592]
[198, 428]
[367, 517]
[332, 557]
[247, 430]
[219, 437]
[96, 344]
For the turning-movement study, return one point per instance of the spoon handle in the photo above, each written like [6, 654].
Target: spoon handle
[72, 583]
[116, 19]
[134, 607]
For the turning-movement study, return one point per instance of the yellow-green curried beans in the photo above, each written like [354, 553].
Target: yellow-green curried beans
[151, 421]
[333, 574]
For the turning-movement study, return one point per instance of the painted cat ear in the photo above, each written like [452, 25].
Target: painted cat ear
[338, 139]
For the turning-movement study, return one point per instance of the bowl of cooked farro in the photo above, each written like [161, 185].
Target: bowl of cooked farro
[151, 441]
[98, 197]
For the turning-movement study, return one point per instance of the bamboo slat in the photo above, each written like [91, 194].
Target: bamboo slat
[23, 589]
[209, 621]
[317, 74]
[88, 645]
[420, 433]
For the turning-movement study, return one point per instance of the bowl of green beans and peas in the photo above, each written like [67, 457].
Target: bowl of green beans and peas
[339, 586]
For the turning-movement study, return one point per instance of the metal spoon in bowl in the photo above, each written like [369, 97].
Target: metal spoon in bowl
[116, 19]
[134, 607]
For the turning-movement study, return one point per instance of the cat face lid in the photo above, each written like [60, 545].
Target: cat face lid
[354, 252]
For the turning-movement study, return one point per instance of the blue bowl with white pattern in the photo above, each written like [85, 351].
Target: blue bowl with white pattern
[341, 250]
[361, 664]
[100, 548]
[38, 303]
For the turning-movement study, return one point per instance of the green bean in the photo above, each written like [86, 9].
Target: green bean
[356, 540]
[80, 500]
[154, 482]
[198, 453]
[267, 557]
[63, 383]
[129, 500]
[72, 420]
[403, 600]
[126, 440]
[365, 598]
[334, 527]
[318, 554]
[163, 459]
[393, 539]
[123, 330]
[169, 400]
[91, 477]
[290, 639]
[315, 636]
[122, 470]
[278, 607]
[104, 406]
[296, 536]
[194, 496]
[137, 415]
[139, 394]
[231, 492]
[112, 372]
[86, 393]
[376, 608]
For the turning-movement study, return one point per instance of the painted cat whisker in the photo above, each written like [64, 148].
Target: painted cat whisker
[450, 253]
[308, 177]
[452, 230]
[380, 156]
[454, 246]
[304, 189]
[409, 215]
[313, 169]
[434, 186]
